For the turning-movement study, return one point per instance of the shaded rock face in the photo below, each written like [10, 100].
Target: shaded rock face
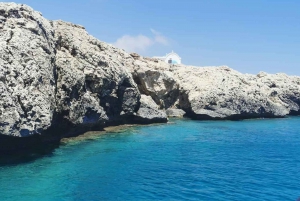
[149, 112]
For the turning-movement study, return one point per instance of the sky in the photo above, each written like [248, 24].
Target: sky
[247, 35]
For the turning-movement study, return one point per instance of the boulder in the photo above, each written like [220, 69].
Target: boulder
[155, 78]
[171, 112]
[149, 112]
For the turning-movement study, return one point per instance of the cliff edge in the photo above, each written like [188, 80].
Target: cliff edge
[56, 81]
[217, 92]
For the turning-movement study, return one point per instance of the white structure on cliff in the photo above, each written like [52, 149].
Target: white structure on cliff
[171, 58]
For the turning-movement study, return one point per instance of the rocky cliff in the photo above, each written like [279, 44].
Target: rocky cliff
[217, 92]
[57, 80]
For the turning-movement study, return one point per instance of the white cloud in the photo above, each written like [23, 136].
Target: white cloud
[140, 42]
[133, 43]
[159, 38]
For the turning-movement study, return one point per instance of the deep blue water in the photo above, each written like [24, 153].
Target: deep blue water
[184, 160]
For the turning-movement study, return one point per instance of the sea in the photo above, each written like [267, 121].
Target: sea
[249, 160]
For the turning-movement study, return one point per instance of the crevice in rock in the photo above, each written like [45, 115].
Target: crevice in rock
[46, 49]
[102, 63]
[58, 43]
[88, 85]
[73, 51]
[14, 14]
[126, 83]
[11, 34]
[27, 82]
[143, 89]
[74, 93]
[22, 106]
[43, 30]
[2, 12]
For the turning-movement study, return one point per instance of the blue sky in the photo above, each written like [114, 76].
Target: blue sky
[247, 35]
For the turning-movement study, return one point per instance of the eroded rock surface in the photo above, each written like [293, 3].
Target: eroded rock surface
[155, 78]
[175, 112]
[93, 85]
[149, 112]
[27, 81]
[217, 92]
[223, 93]
[54, 75]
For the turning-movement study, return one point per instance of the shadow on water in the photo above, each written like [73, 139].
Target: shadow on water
[28, 155]
[14, 151]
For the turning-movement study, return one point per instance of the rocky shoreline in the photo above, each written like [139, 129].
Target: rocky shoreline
[58, 81]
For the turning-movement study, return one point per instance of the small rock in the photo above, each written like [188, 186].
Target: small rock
[175, 112]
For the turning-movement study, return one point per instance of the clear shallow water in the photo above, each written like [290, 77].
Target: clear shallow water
[186, 160]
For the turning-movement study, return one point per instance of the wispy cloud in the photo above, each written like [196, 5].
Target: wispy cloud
[159, 38]
[133, 43]
[140, 42]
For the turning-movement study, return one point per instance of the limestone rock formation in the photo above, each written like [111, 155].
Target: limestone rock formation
[155, 78]
[93, 85]
[217, 92]
[175, 112]
[55, 77]
[149, 112]
[27, 80]
[223, 93]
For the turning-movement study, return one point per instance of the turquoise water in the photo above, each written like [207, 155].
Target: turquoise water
[184, 160]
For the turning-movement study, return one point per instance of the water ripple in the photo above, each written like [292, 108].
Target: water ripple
[187, 160]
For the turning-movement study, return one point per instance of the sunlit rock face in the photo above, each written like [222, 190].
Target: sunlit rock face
[217, 92]
[55, 77]
[27, 75]
[223, 93]
[93, 84]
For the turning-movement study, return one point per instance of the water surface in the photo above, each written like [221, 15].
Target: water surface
[184, 160]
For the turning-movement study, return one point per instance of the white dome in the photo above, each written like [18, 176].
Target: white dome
[171, 58]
